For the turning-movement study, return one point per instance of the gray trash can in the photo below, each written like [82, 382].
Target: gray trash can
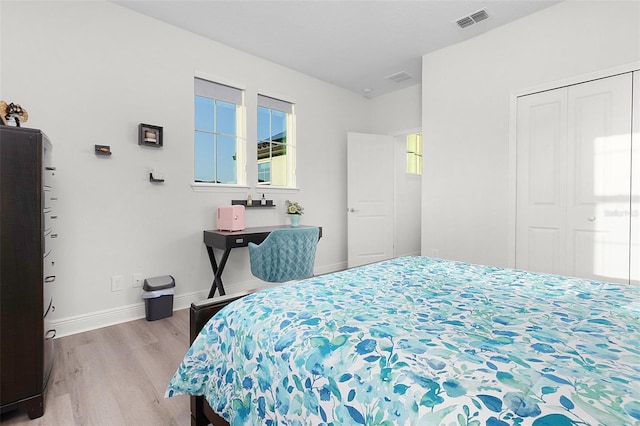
[157, 293]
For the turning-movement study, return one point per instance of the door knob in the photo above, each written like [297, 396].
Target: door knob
[591, 218]
[352, 210]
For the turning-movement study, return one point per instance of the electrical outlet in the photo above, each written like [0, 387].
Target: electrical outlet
[117, 283]
[136, 280]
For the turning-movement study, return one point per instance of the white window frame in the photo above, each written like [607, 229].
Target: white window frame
[415, 155]
[277, 102]
[241, 141]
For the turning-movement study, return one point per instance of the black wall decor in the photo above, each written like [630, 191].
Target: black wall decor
[149, 135]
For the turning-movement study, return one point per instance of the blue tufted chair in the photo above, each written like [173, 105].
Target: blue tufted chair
[286, 254]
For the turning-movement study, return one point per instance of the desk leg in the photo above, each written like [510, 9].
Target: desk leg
[217, 271]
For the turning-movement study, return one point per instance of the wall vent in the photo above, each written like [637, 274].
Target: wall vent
[467, 21]
[399, 77]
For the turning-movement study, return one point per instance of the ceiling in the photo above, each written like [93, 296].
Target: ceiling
[352, 44]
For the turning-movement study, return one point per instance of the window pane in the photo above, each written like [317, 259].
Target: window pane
[278, 126]
[414, 153]
[275, 156]
[279, 170]
[278, 149]
[264, 172]
[225, 118]
[411, 163]
[204, 157]
[204, 114]
[219, 132]
[264, 150]
[264, 124]
[226, 159]
[411, 143]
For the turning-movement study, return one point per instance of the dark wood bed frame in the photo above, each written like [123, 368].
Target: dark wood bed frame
[199, 314]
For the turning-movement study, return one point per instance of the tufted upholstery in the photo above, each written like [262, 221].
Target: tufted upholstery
[286, 254]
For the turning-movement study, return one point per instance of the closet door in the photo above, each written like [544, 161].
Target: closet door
[635, 184]
[573, 212]
[599, 179]
[541, 182]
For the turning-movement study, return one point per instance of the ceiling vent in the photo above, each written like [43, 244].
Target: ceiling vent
[399, 77]
[474, 18]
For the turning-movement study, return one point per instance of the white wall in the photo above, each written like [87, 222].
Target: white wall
[88, 73]
[465, 114]
[397, 111]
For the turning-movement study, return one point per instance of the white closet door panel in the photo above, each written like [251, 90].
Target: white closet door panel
[541, 182]
[544, 249]
[635, 184]
[599, 179]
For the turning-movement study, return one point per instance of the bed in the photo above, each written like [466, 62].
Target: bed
[418, 341]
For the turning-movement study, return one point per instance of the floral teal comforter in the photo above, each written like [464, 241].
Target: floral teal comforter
[420, 341]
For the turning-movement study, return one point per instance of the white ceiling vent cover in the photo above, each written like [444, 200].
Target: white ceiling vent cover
[399, 77]
[467, 21]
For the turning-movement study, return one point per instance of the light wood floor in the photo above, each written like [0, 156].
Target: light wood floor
[116, 376]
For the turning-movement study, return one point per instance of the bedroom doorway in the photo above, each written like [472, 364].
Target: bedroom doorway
[370, 198]
[384, 191]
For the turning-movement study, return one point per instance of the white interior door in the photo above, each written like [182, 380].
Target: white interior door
[599, 179]
[634, 257]
[370, 198]
[573, 214]
[541, 182]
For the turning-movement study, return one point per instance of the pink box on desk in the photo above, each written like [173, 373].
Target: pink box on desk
[230, 218]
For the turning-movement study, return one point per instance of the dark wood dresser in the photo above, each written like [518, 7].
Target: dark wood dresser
[27, 276]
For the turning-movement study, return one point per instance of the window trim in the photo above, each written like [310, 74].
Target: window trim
[218, 187]
[241, 133]
[417, 154]
[291, 139]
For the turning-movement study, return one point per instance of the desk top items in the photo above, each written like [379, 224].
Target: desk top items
[294, 211]
[12, 114]
[230, 218]
[149, 135]
[293, 207]
[251, 203]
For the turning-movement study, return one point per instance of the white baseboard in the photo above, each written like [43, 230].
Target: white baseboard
[107, 317]
[331, 268]
[94, 320]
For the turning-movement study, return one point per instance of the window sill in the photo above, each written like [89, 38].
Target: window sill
[274, 189]
[218, 187]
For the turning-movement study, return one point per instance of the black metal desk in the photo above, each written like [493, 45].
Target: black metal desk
[227, 240]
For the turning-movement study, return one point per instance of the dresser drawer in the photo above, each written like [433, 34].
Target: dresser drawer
[47, 290]
[47, 219]
[49, 335]
[47, 176]
[49, 264]
[46, 197]
[50, 238]
[48, 243]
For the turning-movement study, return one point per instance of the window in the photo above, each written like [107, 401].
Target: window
[276, 142]
[218, 147]
[414, 153]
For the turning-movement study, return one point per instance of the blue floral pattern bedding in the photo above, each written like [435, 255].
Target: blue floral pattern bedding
[420, 341]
